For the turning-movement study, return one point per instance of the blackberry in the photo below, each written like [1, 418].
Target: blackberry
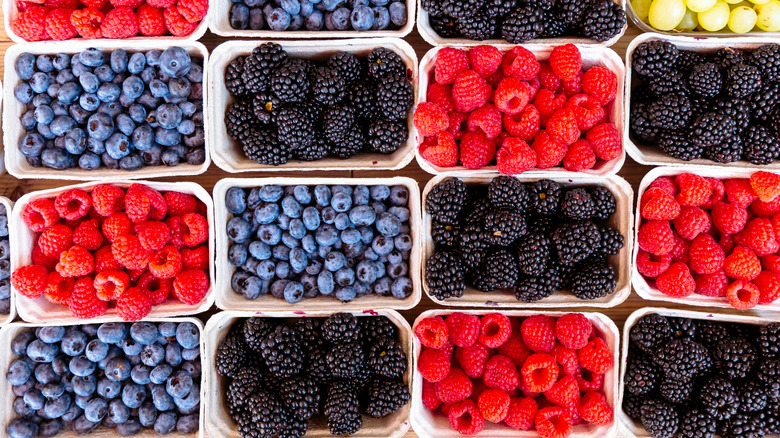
[246, 427]
[393, 97]
[659, 418]
[554, 25]
[574, 242]
[461, 8]
[345, 360]
[742, 80]
[231, 356]
[508, 193]
[445, 201]
[336, 121]
[683, 328]
[768, 342]
[352, 143]
[672, 82]
[300, 396]
[532, 289]
[696, 423]
[728, 57]
[341, 408]
[533, 254]
[254, 331]
[385, 397]
[769, 373]
[264, 147]
[473, 246]
[641, 376]
[641, 94]
[290, 81]
[729, 151]
[735, 357]
[233, 82]
[386, 137]
[385, 62]
[295, 127]
[710, 333]
[595, 280]
[477, 27]
[712, 128]
[500, 269]
[264, 106]
[327, 86]
[604, 20]
[259, 67]
[577, 205]
[632, 404]
[738, 110]
[239, 120]
[445, 235]
[767, 59]
[375, 328]
[433, 7]
[341, 328]
[361, 97]
[654, 58]
[771, 415]
[282, 353]
[502, 228]
[268, 414]
[544, 5]
[752, 396]
[650, 333]
[763, 103]
[523, 24]
[742, 426]
[744, 331]
[761, 147]
[444, 275]
[386, 358]
[683, 359]
[686, 59]
[676, 391]
[476, 210]
[559, 276]
[245, 382]
[500, 8]
[672, 111]
[317, 367]
[317, 150]
[705, 79]
[295, 428]
[347, 65]
[571, 11]
[445, 26]
[640, 125]
[604, 201]
[309, 331]
[545, 197]
[611, 241]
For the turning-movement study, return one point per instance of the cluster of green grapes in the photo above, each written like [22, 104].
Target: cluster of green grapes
[741, 16]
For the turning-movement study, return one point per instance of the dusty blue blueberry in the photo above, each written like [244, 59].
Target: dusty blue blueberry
[84, 386]
[19, 372]
[267, 213]
[152, 355]
[328, 215]
[344, 276]
[341, 202]
[382, 286]
[112, 332]
[346, 293]
[117, 411]
[19, 428]
[130, 347]
[188, 335]
[81, 366]
[309, 244]
[161, 399]
[239, 230]
[235, 200]
[74, 342]
[160, 373]
[399, 195]
[96, 409]
[401, 288]
[398, 14]
[108, 389]
[334, 261]
[144, 333]
[140, 374]
[322, 195]
[39, 351]
[266, 270]
[57, 407]
[118, 369]
[44, 372]
[278, 19]
[133, 395]
[173, 354]
[269, 234]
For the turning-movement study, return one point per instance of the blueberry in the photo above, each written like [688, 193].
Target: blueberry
[187, 424]
[342, 221]
[133, 395]
[82, 426]
[326, 235]
[117, 411]
[173, 354]
[379, 207]
[302, 194]
[76, 141]
[61, 125]
[140, 374]
[298, 260]
[239, 230]
[58, 406]
[108, 389]
[65, 76]
[309, 244]
[40, 82]
[19, 372]
[402, 213]
[401, 288]
[189, 403]
[344, 276]
[346, 293]
[118, 146]
[282, 269]
[269, 193]
[399, 195]
[136, 63]
[322, 195]
[53, 390]
[147, 414]
[133, 87]
[118, 60]
[186, 127]
[112, 332]
[340, 19]
[160, 398]
[21, 408]
[180, 88]
[44, 372]
[366, 271]
[350, 236]
[362, 289]
[398, 14]
[84, 386]
[269, 234]
[31, 144]
[96, 409]
[100, 126]
[291, 207]
[25, 66]
[160, 373]
[179, 384]
[353, 250]
[277, 288]
[235, 200]
[267, 213]
[118, 369]
[20, 390]
[341, 202]
[388, 225]
[23, 92]
[279, 19]
[266, 270]
[260, 250]
[397, 270]
[255, 20]
[113, 109]
[81, 366]
[165, 423]
[50, 428]
[72, 411]
[28, 119]
[314, 21]
[188, 335]
[331, 5]
[22, 429]
[108, 92]
[92, 57]
[39, 351]
[237, 255]
[89, 82]
[293, 7]
[381, 18]
[50, 334]
[167, 137]
[144, 333]
[175, 62]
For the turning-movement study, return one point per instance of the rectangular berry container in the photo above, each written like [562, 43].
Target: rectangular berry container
[227, 153]
[9, 205]
[651, 155]
[227, 299]
[432, 38]
[9, 332]
[219, 23]
[430, 425]
[644, 26]
[42, 311]
[218, 421]
[591, 56]
[12, 109]
[620, 220]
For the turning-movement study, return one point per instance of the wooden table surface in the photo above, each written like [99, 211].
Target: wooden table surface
[631, 171]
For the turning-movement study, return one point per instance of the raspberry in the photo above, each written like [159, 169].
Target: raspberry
[524, 125]
[30, 24]
[548, 102]
[39, 258]
[658, 204]
[742, 264]
[601, 83]
[60, 4]
[579, 156]
[88, 235]
[132, 4]
[515, 157]
[573, 330]
[512, 96]
[84, 302]
[501, 373]
[766, 185]
[434, 365]
[196, 258]
[705, 255]
[739, 192]
[58, 289]
[193, 10]
[596, 357]
[712, 285]
[655, 237]
[493, 405]
[694, 190]
[718, 192]
[30, 280]
[494, 330]
[572, 86]
[515, 349]
[455, 387]
[156, 289]
[587, 111]
[458, 125]
[680, 251]
[143, 203]
[566, 61]
[691, 222]
[664, 183]
[470, 91]
[549, 153]
[118, 224]
[153, 235]
[562, 127]
[728, 218]
[540, 372]
[429, 399]
[440, 95]
[538, 333]
[119, 23]
[676, 281]
[567, 359]
[40, 214]
[476, 151]
[486, 121]
[430, 119]
[588, 381]
[520, 63]
[463, 329]
[768, 284]
[605, 140]
[765, 209]
[432, 332]
[759, 236]
[564, 393]
[465, 418]
[75, 262]
[449, 63]
[111, 284]
[485, 60]
[771, 263]
[547, 79]
[521, 413]
[107, 199]
[128, 251]
[133, 305]
[472, 359]
[595, 409]
[58, 25]
[440, 150]
[55, 240]
[727, 243]
[104, 259]
[191, 286]
[162, 4]
[165, 263]
[150, 21]
[742, 295]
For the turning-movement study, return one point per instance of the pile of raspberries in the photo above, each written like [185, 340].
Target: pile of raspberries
[133, 248]
[712, 237]
[510, 110]
[41, 20]
[537, 373]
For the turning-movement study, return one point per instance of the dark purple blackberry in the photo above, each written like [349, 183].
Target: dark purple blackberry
[603, 20]
[604, 201]
[327, 86]
[650, 333]
[738, 110]
[445, 26]
[641, 94]
[500, 272]
[711, 129]
[345, 360]
[671, 112]
[268, 413]
[239, 120]
[641, 127]
[705, 80]
[728, 57]
[532, 289]
[317, 367]
[767, 59]
[771, 416]
[595, 280]
[611, 241]
[764, 103]
[769, 372]
[362, 96]
[742, 426]
[632, 404]
[710, 333]
[508, 193]
[554, 25]
[571, 11]
[445, 201]
[499, 8]
[653, 58]
[341, 328]
[231, 356]
[394, 97]
[295, 126]
[290, 81]
[385, 62]
[742, 80]
[254, 331]
[260, 66]
[309, 331]
[473, 246]
[245, 382]
[761, 147]
[300, 396]
[336, 121]
[522, 25]
[502, 227]
[545, 197]
[752, 396]
[386, 357]
[233, 82]
[295, 428]
[462, 8]
[373, 328]
[729, 151]
[577, 204]
[533, 254]
[478, 27]
[574, 242]
[686, 59]
[433, 7]
[641, 377]
[445, 235]
[683, 328]
[476, 210]
[696, 423]
[659, 418]
[347, 65]
[341, 408]
[263, 147]
[352, 143]
[386, 137]
[672, 82]
[734, 357]
[683, 359]
[386, 397]
[676, 391]
[282, 353]
[317, 150]
[768, 342]
[264, 106]
[444, 275]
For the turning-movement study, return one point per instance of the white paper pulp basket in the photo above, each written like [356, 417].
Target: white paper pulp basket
[9, 205]
[227, 299]
[42, 311]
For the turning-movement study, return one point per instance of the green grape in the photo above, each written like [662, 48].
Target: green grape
[759, 2]
[769, 16]
[700, 5]
[733, 2]
[688, 23]
[742, 19]
[666, 14]
[641, 8]
[716, 18]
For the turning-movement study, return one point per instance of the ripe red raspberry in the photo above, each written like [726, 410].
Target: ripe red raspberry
[449, 63]
[162, 4]
[520, 63]
[705, 255]
[177, 24]
[739, 192]
[765, 209]
[729, 218]
[58, 25]
[549, 153]
[133, 305]
[512, 96]
[156, 289]
[143, 203]
[766, 185]
[538, 333]
[430, 119]
[472, 359]
[596, 357]
[768, 284]
[40, 214]
[493, 405]
[457, 127]
[727, 243]
[84, 302]
[486, 121]
[676, 281]
[88, 235]
[117, 225]
[515, 349]
[97, 4]
[656, 237]
[132, 4]
[588, 381]
[39, 258]
[441, 95]
[107, 199]
[562, 127]
[429, 399]
[712, 285]
[771, 263]
[476, 151]
[165, 263]
[742, 295]
[606, 140]
[573, 330]
[151, 21]
[694, 189]
[524, 125]
[30, 280]
[521, 413]
[601, 83]
[30, 24]
[658, 204]
[566, 61]
[501, 373]
[564, 393]
[191, 286]
[547, 79]
[470, 91]
[75, 262]
[433, 364]
[515, 157]
[128, 251]
[153, 235]
[463, 328]
[587, 111]
[196, 258]
[665, 183]
[691, 222]
[742, 264]
[759, 236]
[572, 86]
[193, 10]
[580, 156]
[494, 330]
[540, 372]
[119, 23]
[58, 289]
[485, 60]
[60, 4]
[679, 252]
[432, 332]
[104, 259]
[440, 150]
[465, 418]
[548, 103]
[567, 359]
[455, 387]
[595, 409]
[55, 240]
[176, 226]
[111, 284]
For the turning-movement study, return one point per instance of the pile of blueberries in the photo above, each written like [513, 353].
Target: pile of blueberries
[314, 15]
[115, 109]
[128, 377]
[298, 242]
[5, 264]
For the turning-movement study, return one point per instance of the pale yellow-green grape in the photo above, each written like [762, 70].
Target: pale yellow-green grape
[769, 16]
[716, 18]
[689, 22]
[759, 2]
[742, 19]
[700, 5]
[641, 8]
[667, 14]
